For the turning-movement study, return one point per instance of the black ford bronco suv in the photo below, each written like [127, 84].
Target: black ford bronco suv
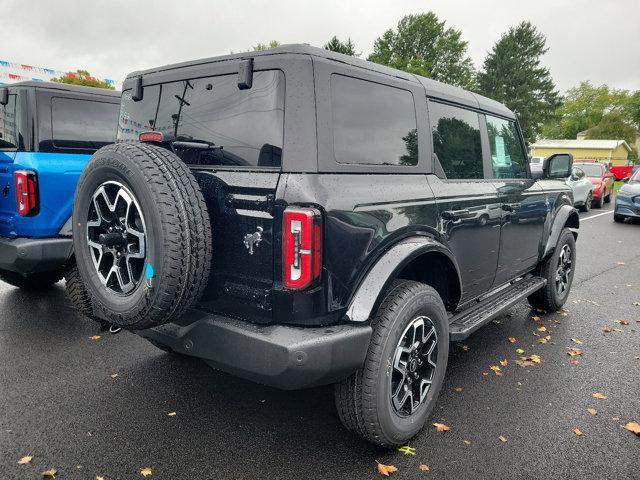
[299, 217]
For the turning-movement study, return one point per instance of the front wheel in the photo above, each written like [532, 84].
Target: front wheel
[389, 399]
[558, 270]
[618, 218]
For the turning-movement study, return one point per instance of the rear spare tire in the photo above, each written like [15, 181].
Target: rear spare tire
[141, 235]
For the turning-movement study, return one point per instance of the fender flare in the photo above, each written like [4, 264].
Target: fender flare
[386, 269]
[565, 213]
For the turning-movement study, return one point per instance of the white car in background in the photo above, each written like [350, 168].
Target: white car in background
[535, 165]
[581, 187]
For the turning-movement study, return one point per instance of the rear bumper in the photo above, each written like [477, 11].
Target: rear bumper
[277, 355]
[30, 255]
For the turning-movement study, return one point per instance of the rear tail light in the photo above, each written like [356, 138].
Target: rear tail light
[151, 137]
[302, 247]
[26, 186]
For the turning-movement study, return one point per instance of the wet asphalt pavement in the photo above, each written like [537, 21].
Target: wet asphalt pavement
[59, 403]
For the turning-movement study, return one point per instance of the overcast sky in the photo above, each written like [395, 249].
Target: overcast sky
[588, 39]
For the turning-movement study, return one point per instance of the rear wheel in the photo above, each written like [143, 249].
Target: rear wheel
[607, 199]
[597, 203]
[389, 399]
[33, 281]
[558, 270]
[142, 235]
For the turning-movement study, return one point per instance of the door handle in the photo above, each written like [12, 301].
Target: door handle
[510, 207]
[455, 214]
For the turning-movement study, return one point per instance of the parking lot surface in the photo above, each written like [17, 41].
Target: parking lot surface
[60, 402]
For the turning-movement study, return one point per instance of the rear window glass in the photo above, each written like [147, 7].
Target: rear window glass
[373, 124]
[240, 127]
[8, 137]
[82, 124]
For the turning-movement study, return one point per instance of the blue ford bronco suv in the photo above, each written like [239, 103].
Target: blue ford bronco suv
[299, 217]
[48, 132]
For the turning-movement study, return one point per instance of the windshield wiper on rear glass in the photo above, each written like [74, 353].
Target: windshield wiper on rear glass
[180, 145]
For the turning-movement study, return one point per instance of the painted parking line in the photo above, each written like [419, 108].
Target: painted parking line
[584, 219]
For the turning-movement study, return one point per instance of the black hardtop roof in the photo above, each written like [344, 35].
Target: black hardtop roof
[66, 87]
[433, 88]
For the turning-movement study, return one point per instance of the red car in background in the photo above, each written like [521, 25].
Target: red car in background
[622, 171]
[602, 179]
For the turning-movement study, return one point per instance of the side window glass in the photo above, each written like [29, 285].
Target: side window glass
[456, 141]
[507, 156]
[8, 136]
[82, 124]
[373, 124]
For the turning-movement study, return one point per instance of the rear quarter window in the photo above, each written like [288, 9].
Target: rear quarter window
[244, 128]
[8, 135]
[82, 124]
[373, 124]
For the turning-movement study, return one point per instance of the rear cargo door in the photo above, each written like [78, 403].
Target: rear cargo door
[8, 147]
[232, 139]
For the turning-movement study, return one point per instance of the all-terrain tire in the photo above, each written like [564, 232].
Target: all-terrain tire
[76, 291]
[618, 218]
[178, 234]
[548, 298]
[33, 281]
[597, 203]
[363, 400]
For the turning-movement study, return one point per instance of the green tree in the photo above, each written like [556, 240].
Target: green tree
[613, 126]
[512, 74]
[261, 47]
[424, 46]
[335, 45]
[82, 77]
[584, 107]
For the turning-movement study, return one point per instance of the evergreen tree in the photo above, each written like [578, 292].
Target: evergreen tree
[512, 74]
[335, 45]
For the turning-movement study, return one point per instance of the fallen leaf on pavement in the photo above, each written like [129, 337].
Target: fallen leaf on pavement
[441, 427]
[502, 439]
[535, 318]
[622, 322]
[99, 477]
[114, 375]
[171, 414]
[95, 338]
[496, 369]
[574, 362]
[575, 340]
[592, 411]
[504, 362]
[621, 263]
[24, 460]
[386, 470]
[465, 348]
[633, 427]
[458, 389]
[146, 472]
[574, 352]
[636, 304]
[578, 432]
[424, 468]
[512, 339]
[51, 473]
[528, 361]
[519, 351]
[542, 328]
[599, 396]
[467, 442]
[407, 450]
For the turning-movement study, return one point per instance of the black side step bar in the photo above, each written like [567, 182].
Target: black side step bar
[469, 320]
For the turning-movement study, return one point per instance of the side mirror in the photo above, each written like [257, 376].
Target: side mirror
[626, 179]
[4, 96]
[558, 165]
